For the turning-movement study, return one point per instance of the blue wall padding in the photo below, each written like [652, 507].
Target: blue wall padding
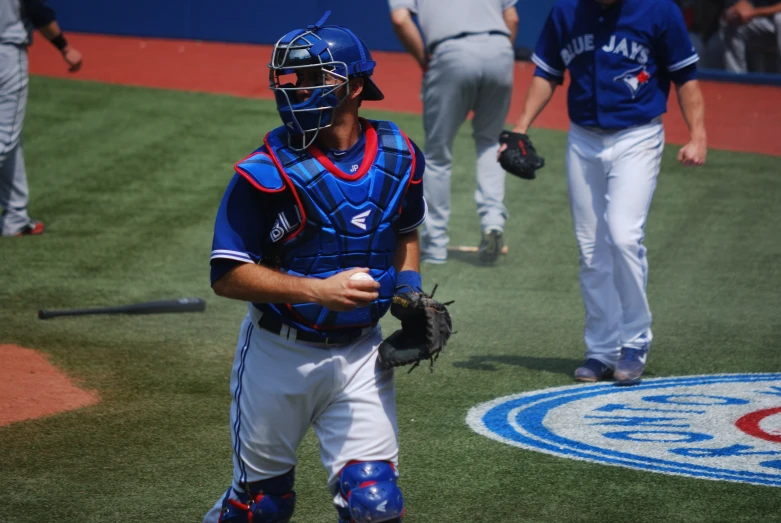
[254, 21]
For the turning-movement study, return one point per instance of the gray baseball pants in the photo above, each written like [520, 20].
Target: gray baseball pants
[13, 101]
[474, 73]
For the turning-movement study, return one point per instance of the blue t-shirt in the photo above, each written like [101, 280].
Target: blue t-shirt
[621, 58]
[247, 215]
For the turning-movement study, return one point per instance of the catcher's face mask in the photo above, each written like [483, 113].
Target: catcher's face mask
[309, 74]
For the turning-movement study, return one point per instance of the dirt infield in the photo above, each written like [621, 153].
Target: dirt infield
[31, 387]
[739, 117]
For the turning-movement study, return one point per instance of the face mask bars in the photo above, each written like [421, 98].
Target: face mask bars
[282, 63]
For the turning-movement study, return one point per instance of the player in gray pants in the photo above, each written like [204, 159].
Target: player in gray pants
[17, 19]
[748, 26]
[465, 50]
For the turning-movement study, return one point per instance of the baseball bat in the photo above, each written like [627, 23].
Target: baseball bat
[149, 307]
[472, 248]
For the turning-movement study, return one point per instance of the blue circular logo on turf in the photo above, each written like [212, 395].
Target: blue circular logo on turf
[724, 427]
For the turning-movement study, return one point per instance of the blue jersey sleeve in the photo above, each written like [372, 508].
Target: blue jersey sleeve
[239, 228]
[413, 209]
[547, 52]
[675, 47]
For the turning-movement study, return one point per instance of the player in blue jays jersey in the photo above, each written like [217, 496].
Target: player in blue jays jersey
[622, 57]
[328, 196]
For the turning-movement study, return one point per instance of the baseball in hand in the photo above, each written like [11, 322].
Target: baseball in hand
[361, 276]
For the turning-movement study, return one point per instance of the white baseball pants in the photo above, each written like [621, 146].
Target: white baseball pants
[611, 177]
[281, 387]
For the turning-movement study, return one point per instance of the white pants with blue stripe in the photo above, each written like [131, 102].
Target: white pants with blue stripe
[611, 178]
[281, 387]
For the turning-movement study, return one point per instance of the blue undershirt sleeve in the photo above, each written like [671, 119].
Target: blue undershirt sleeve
[681, 76]
[38, 12]
[413, 209]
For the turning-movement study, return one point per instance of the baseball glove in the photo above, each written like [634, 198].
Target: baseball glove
[425, 328]
[520, 157]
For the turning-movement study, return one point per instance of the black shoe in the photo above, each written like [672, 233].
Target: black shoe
[490, 246]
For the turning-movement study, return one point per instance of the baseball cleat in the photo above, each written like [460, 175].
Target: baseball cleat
[593, 370]
[491, 245]
[630, 366]
[33, 228]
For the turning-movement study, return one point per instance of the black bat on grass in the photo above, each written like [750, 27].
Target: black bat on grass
[150, 307]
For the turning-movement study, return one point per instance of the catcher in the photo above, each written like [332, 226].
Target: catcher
[317, 231]
[425, 328]
[518, 156]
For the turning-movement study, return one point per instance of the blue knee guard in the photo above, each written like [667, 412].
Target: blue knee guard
[268, 501]
[370, 489]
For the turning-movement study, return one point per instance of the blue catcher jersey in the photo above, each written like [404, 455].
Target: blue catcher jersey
[314, 214]
[621, 58]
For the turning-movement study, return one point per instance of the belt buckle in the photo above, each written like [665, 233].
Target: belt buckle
[331, 342]
[344, 340]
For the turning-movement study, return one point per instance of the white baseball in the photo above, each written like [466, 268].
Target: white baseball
[361, 276]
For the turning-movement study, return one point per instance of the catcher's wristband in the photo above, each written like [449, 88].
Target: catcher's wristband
[409, 279]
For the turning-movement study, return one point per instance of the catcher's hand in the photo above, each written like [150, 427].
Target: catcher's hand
[425, 328]
[519, 157]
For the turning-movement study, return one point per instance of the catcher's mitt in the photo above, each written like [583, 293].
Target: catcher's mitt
[520, 158]
[425, 328]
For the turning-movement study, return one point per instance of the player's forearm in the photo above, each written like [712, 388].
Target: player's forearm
[53, 33]
[693, 108]
[539, 94]
[50, 30]
[769, 10]
[259, 284]
[409, 36]
[510, 16]
[407, 256]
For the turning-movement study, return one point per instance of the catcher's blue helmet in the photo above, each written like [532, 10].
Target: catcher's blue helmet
[340, 56]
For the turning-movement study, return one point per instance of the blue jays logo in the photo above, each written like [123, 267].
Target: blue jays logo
[634, 79]
[724, 427]
[284, 226]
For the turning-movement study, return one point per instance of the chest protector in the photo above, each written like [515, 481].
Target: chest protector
[347, 220]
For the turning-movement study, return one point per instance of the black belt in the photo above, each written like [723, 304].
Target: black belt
[464, 35]
[272, 323]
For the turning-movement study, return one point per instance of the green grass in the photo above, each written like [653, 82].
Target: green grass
[128, 181]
